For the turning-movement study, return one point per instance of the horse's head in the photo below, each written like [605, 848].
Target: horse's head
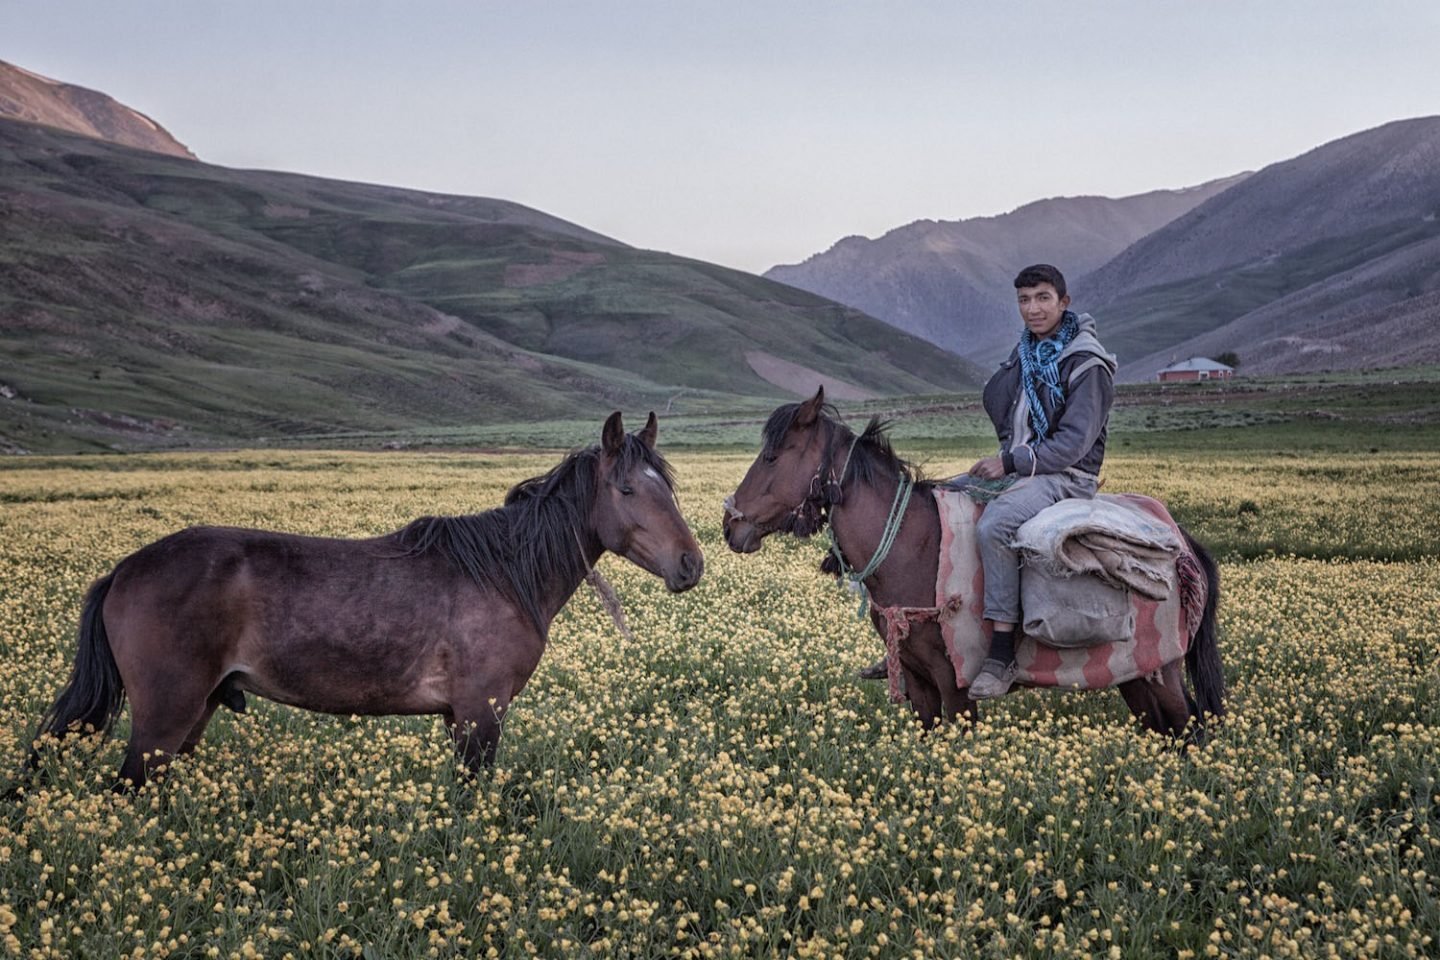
[790, 483]
[635, 514]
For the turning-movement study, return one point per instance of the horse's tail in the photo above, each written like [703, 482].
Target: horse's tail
[95, 693]
[1202, 660]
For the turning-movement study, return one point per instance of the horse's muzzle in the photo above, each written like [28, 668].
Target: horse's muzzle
[687, 571]
[742, 536]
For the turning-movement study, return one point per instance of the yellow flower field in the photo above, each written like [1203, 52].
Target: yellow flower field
[722, 786]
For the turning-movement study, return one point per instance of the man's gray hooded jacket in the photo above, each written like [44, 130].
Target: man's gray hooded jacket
[1078, 424]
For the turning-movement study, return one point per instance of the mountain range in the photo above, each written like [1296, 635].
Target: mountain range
[949, 281]
[1312, 263]
[148, 299]
[1299, 267]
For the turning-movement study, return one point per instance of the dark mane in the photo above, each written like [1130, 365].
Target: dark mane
[874, 459]
[783, 419]
[633, 453]
[517, 548]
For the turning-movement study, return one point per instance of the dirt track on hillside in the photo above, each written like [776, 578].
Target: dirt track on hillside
[801, 380]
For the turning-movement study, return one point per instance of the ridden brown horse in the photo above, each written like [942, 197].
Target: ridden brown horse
[812, 469]
[448, 615]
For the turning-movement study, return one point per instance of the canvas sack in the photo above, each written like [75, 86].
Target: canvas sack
[1072, 612]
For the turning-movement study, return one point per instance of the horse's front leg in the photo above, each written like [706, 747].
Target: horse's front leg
[926, 645]
[956, 704]
[923, 695]
[477, 718]
[494, 655]
[476, 724]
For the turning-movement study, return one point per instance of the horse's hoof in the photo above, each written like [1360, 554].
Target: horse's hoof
[878, 670]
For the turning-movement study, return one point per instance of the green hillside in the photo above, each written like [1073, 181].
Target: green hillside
[148, 300]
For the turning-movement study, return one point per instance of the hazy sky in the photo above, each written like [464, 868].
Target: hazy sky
[740, 132]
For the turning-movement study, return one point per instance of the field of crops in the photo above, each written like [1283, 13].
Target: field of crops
[722, 785]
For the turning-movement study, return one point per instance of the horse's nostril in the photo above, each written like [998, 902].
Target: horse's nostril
[689, 564]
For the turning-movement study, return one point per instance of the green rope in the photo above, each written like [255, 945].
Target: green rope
[983, 491]
[882, 550]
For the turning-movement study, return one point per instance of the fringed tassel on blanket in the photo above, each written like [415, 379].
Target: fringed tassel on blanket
[898, 621]
[1194, 590]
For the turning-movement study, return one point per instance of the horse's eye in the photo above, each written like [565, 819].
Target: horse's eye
[626, 490]
[770, 458]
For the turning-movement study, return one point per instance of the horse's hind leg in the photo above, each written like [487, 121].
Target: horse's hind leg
[192, 739]
[162, 724]
[1160, 702]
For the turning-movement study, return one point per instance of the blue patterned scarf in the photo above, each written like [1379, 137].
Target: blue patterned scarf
[1040, 369]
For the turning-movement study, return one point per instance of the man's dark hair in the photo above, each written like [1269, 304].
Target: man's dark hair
[1039, 273]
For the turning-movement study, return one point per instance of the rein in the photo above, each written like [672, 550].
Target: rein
[888, 535]
[898, 620]
[824, 493]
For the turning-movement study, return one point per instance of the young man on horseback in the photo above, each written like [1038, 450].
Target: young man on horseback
[1050, 403]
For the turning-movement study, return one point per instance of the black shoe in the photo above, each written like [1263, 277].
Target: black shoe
[878, 670]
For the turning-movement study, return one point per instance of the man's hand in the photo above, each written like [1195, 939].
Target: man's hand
[988, 468]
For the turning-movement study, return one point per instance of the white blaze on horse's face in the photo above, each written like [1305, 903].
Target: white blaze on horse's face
[637, 517]
[641, 522]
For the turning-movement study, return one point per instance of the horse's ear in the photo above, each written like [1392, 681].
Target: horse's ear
[612, 438]
[647, 436]
[810, 409]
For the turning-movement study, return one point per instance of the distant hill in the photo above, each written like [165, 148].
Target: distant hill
[151, 300]
[1311, 257]
[29, 96]
[1399, 334]
[951, 281]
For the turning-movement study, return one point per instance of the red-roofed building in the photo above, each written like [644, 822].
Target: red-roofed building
[1196, 368]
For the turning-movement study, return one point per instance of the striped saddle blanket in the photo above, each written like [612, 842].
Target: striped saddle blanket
[1163, 628]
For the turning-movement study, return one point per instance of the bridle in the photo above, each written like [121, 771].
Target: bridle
[813, 513]
[825, 491]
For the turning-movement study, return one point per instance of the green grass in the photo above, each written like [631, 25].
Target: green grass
[721, 783]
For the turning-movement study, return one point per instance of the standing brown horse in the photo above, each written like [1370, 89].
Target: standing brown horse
[812, 469]
[448, 615]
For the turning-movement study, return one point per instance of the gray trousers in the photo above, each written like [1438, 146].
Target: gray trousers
[996, 529]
